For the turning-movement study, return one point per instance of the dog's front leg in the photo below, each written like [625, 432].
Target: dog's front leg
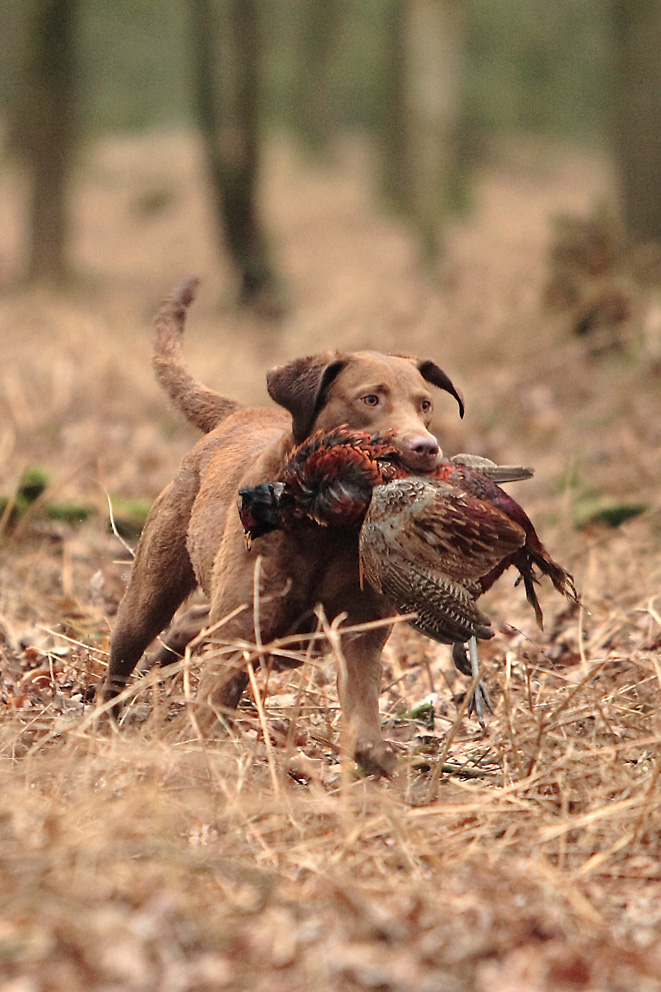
[359, 687]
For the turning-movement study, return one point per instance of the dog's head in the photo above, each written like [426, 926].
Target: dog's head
[367, 391]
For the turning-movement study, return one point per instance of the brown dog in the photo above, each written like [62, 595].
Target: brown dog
[193, 535]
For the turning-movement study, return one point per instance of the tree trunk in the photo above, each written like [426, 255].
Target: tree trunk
[50, 133]
[228, 115]
[419, 119]
[637, 117]
[320, 26]
[393, 110]
[435, 36]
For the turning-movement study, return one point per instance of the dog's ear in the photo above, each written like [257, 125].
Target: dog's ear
[301, 387]
[431, 372]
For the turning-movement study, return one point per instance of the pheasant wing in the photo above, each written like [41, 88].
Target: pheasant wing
[445, 608]
[444, 527]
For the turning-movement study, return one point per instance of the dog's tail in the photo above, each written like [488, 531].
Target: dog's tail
[203, 407]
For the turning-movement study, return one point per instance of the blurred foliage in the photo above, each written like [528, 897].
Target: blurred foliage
[31, 486]
[31, 497]
[531, 65]
[593, 510]
[27, 498]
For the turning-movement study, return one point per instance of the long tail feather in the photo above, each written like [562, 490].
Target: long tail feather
[525, 560]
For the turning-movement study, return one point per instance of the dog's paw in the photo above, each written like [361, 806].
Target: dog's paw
[376, 758]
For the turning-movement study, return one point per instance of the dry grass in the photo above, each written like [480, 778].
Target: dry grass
[146, 859]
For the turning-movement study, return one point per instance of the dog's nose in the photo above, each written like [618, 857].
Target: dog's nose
[422, 452]
[425, 447]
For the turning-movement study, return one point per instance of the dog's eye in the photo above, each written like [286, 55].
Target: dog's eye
[426, 406]
[371, 399]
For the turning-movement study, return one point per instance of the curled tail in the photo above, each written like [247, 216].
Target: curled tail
[203, 407]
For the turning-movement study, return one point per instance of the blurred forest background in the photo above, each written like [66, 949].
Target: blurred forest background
[429, 83]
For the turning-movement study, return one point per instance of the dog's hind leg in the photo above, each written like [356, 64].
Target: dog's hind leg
[173, 644]
[161, 578]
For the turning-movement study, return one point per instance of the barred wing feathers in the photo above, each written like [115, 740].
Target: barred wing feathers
[425, 544]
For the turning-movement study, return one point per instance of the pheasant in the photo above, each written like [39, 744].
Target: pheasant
[431, 544]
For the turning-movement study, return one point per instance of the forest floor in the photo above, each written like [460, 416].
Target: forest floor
[146, 859]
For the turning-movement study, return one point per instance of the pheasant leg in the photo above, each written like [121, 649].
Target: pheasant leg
[468, 664]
